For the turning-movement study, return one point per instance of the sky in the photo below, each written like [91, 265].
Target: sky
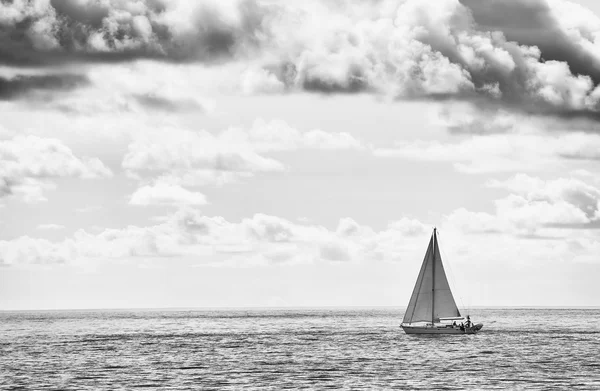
[248, 153]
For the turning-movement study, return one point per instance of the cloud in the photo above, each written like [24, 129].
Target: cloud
[50, 226]
[476, 222]
[270, 228]
[277, 135]
[262, 239]
[261, 81]
[461, 119]
[334, 252]
[51, 32]
[27, 250]
[562, 30]
[426, 50]
[165, 194]
[560, 208]
[448, 49]
[557, 202]
[347, 227]
[195, 158]
[503, 146]
[27, 162]
[155, 101]
[27, 85]
[477, 154]
[409, 227]
[131, 88]
[190, 155]
[581, 146]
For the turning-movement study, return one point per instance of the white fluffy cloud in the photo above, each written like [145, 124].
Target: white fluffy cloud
[559, 208]
[277, 135]
[537, 202]
[27, 250]
[184, 152]
[28, 162]
[269, 239]
[466, 237]
[165, 194]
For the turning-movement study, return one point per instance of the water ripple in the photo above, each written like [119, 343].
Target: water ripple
[295, 349]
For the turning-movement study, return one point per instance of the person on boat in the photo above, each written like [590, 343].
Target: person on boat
[468, 323]
[454, 324]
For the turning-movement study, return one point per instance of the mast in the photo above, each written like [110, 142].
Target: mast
[433, 281]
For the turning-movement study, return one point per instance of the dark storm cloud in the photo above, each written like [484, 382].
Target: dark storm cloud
[22, 85]
[517, 54]
[86, 13]
[58, 31]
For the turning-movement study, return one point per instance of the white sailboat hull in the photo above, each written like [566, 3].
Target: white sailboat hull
[441, 329]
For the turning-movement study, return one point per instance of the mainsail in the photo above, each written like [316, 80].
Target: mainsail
[431, 298]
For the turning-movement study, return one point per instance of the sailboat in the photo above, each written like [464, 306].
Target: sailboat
[431, 303]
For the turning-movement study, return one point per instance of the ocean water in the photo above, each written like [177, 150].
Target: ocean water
[518, 349]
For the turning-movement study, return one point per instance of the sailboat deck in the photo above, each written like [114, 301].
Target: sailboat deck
[435, 330]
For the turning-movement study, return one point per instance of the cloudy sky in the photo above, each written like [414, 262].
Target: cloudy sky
[275, 153]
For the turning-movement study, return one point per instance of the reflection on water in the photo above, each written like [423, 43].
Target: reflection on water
[279, 349]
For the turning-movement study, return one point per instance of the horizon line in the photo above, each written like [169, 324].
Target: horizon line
[283, 308]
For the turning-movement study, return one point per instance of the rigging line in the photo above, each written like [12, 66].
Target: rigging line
[453, 288]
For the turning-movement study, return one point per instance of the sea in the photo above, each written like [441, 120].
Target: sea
[278, 349]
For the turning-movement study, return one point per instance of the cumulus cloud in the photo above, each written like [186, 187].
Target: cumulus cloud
[560, 208]
[262, 238]
[260, 81]
[563, 31]
[277, 135]
[50, 32]
[27, 250]
[348, 227]
[557, 202]
[28, 162]
[165, 194]
[436, 50]
[189, 155]
[545, 63]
